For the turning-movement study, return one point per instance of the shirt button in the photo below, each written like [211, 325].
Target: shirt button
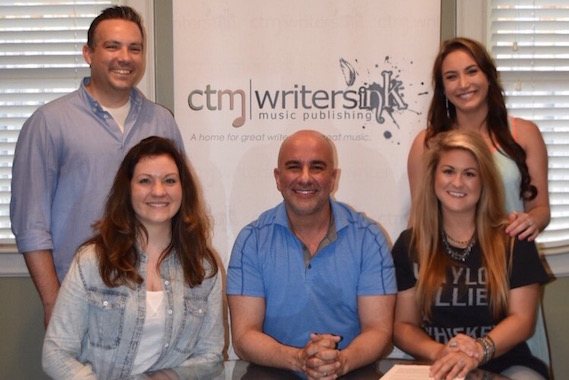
[170, 311]
[167, 345]
[105, 303]
[309, 266]
[200, 311]
[166, 282]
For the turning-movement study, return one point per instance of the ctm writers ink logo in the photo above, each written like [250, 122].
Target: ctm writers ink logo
[366, 101]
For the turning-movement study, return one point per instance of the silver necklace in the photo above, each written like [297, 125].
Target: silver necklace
[461, 255]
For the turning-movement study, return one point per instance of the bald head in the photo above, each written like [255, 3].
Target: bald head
[306, 175]
[314, 139]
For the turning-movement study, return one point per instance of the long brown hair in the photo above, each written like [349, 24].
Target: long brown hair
[490, 218]
[119, 229]
[440, 120]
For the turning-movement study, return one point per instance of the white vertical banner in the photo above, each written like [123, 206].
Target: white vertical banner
[249, 73]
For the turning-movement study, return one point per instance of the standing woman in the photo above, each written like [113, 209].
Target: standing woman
[468, 96]
[468, 293]
[145, 292]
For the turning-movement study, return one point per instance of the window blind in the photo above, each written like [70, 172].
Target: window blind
[40, 60]
[529, 40]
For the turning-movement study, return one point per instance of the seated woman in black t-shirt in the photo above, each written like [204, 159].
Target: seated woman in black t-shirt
[468, 294]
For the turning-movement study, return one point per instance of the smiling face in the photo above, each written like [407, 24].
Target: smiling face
[465, 84]
[306, 175]
[458, 184]
[156, 191]
[116, 60]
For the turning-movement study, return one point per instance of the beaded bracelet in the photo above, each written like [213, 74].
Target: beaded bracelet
[486, 350]
[488, 347]
[492, 345]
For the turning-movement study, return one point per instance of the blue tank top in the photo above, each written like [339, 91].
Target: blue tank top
[511, 178]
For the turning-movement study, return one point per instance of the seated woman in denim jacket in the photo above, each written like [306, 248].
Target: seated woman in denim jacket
[145, 292]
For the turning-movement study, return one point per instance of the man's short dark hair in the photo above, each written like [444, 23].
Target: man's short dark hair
[114, 13]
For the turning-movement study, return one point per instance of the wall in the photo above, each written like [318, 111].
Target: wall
[556, 310]
[21, 329]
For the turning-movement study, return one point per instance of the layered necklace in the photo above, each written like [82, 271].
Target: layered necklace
[461, 254]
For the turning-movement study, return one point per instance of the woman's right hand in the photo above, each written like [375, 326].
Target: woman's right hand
[453, 364]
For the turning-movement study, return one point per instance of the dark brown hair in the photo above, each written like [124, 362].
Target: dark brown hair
[497, 118]
[114, 13]
[119, 229]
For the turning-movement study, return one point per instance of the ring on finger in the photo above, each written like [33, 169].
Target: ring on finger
[453, 344]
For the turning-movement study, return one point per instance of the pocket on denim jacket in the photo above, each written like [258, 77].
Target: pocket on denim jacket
[106, 317]
[195, 310]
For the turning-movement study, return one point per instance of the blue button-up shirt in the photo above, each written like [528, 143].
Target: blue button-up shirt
[65, 161]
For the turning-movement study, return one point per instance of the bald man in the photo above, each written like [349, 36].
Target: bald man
[311, 285]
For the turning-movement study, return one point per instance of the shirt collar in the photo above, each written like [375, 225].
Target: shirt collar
[339, 216]
[136, 97]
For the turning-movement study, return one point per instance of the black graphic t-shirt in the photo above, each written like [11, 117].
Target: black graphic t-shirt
[462, 303]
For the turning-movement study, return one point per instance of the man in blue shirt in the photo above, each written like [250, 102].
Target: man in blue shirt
[311, 284]
[69, 150]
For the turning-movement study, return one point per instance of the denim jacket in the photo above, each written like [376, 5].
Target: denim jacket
[94, 331]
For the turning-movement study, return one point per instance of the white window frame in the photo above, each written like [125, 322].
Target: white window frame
[12, 263]
[472, 22]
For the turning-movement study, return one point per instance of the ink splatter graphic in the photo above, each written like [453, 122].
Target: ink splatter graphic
[348, 71]
[381, 91]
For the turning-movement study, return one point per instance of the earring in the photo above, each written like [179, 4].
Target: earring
[448, 113]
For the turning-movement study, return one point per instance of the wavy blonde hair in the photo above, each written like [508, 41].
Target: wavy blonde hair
[490, 219]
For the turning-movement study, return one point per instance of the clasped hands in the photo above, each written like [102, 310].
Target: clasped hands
[458, 357]
[320, 358]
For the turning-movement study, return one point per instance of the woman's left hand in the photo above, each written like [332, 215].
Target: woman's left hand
[462, 343]
[453, 365]
[522, 225]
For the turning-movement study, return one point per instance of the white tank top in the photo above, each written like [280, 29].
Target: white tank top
[150, 344]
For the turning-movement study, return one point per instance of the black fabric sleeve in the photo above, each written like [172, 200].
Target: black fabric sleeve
[527, 267]
[404, 268]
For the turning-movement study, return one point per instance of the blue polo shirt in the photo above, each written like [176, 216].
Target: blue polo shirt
[319, 296]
